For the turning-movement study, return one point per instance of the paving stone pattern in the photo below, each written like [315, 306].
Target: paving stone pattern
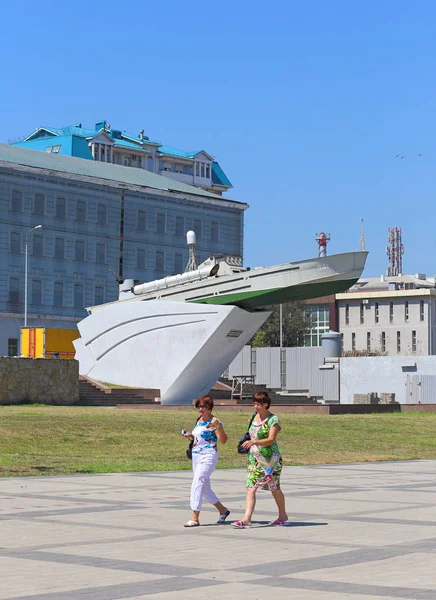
[363, 532]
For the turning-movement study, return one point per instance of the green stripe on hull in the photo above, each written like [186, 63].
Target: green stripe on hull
[261, 298]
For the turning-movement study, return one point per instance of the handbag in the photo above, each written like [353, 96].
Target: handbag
[245, 438]
[189, 450]
[191, 445]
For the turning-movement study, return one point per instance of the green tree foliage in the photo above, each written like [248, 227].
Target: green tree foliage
[296, 325]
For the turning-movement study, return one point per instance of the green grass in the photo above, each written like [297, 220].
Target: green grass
[45, 440]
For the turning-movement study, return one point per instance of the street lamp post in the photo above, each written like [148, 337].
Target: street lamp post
[25, 275]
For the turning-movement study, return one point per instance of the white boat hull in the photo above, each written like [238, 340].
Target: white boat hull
[177, 347]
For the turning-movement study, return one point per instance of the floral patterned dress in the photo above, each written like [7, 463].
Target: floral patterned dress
[264, 462]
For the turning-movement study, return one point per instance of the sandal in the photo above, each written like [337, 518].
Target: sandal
[223, 517]
[279, 522]
[240, 525]
[191, 523]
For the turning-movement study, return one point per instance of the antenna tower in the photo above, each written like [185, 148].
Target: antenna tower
[322, 240]
[395, 251]
[362, 236]
[192, 262]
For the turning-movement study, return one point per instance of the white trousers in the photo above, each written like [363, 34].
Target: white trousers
[203, 465]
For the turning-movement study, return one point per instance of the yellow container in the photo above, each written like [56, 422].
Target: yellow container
[43, 342]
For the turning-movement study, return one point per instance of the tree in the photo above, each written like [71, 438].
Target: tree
[296, 324]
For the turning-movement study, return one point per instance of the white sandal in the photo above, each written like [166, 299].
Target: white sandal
[223, 517]
[191, 523]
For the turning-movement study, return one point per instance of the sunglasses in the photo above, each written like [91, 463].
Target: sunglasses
[201, 406]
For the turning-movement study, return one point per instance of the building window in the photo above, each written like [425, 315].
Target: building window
[413, 341]
[80, 251]
[12, 347]
[96, 150]
[391, 312]
[208, 171]
[383, 341]
[368, 341]
[421, 312]
[78, 295]
[398, 341]
[99, 294]
[202, 169]
[56, 149]
[15, 242]
[353, 341]
[140, 258]
[17, 201]
[197, 169]
[362, 313]
[160, 223]
[101, 214]
[377, 313]
[39, 204]
[178, 263]
[100, 254]
[150, 166]
[14, 290]
[319, 315]
[58, 299]
[214, 231]
[347, 314]
[197, 228]
[59, 248]
[159, 261]
[142, 220]
[81, 211]
[180, 226]
[36, 292]
[37, 245]
[406, 311]
[60, 210]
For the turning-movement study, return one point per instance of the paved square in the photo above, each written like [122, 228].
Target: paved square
[362, 532]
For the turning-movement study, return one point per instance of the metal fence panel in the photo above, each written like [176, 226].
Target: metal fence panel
[241, 365]
[428, 389]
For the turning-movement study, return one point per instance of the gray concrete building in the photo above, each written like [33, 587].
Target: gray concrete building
[392, 316]
[97, 220]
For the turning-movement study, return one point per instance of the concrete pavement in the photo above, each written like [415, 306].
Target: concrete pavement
[362, 532]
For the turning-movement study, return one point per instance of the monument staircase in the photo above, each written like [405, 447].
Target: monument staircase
[94, 393]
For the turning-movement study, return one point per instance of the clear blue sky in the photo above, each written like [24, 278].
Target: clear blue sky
[304, 103]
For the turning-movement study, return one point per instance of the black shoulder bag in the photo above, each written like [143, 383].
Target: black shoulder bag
[191, 444]
[245, 438]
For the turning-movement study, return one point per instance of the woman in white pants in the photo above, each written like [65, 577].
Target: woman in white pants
[207, 433]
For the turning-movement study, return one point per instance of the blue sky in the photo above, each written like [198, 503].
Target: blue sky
[304, 104]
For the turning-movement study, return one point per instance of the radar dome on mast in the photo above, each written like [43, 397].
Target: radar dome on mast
[191, 238]
[192, 262]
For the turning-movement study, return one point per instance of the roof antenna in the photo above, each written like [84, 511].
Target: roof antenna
[362, 236]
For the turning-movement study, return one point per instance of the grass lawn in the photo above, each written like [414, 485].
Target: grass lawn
[37, 440]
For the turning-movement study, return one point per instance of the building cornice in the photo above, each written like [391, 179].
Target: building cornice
[219, 201]
[386, 294]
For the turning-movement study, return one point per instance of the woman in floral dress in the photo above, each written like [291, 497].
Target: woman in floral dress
[264, 461]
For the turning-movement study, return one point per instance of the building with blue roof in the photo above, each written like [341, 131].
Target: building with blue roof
[105, 144]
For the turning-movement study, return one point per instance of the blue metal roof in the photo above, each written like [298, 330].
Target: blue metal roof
[90, 168]
[218, 176]
[122, 139]
[177, 152]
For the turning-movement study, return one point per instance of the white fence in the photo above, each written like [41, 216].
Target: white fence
[297, 370]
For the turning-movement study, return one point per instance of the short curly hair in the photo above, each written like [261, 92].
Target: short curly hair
[206, 400]
[263, 398]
